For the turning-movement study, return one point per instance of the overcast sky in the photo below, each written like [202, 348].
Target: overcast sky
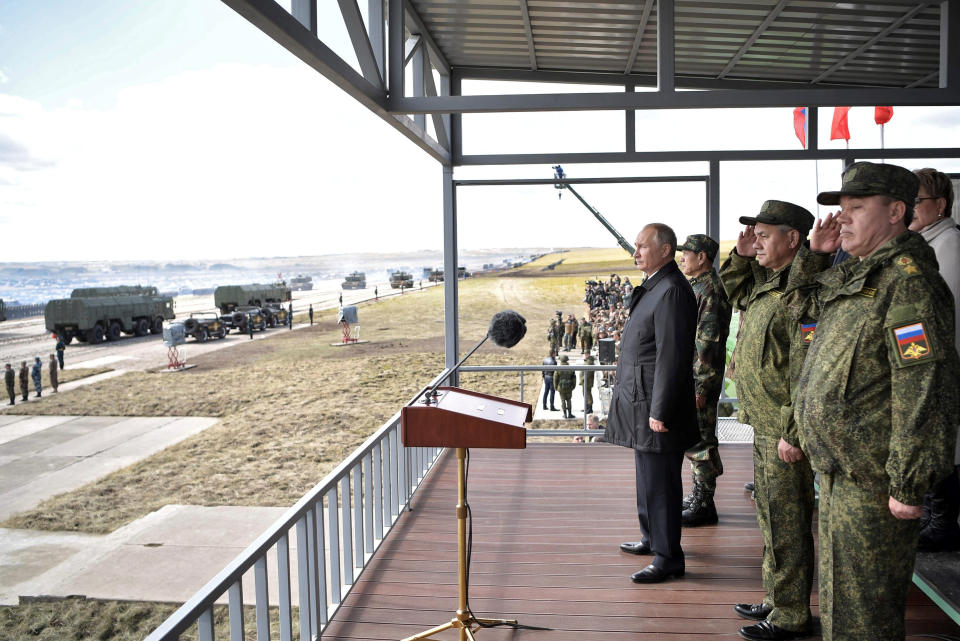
[176, 130]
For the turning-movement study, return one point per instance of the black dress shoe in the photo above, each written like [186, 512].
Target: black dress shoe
[766, 631]
[758, 611]
[653, 574]
[749, 486]
[635, 547]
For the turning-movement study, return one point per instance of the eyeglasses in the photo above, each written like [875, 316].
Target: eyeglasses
[920, 200]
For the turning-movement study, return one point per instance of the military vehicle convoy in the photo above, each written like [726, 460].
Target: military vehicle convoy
[401, 279]
[356, 280]
[92, 319]
[230, 297]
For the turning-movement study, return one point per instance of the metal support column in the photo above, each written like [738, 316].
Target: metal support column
[630, 124]
[666, 62]
[395, 44]
[713, 201]
[949, 46]
[451, 283]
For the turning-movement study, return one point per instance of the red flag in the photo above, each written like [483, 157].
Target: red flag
[800, 124]
[839, 128]
[882, 115]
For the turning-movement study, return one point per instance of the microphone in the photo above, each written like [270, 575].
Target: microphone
[506, 329]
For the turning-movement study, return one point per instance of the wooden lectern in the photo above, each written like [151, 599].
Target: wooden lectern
[461, 419]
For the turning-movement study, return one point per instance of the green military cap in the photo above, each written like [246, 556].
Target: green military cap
[564, 359]
[700, 243]
[589, 359]
[871, 179]
[778, 212]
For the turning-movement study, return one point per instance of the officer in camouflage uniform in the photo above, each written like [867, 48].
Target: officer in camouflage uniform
[552, 336]
[761, 277]
[877, 401]
[713, 326]
[565, 382]
[586, 381]
[586, 336]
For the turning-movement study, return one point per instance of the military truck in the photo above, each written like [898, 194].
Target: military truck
[107, 317]
[205, 325]
[230, 297]
[356, 280]
[251, 316]
[274, 314]
[115, 290]
[401, 279]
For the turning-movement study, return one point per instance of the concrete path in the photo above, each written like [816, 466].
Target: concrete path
[41, 456]
[539, 413]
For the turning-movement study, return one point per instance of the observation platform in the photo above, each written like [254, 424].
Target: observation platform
[547, 522]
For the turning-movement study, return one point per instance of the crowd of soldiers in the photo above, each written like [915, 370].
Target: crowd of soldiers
[26, 375]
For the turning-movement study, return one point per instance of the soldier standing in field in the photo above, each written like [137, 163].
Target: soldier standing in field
[36, 374]
[586, 336]
[713, 326]
[761, 278]
[569, 333]
[565, 382]
[54, 379]
[877, 400]
[8, 378]
[586, 381]
[310, 313]
[552, 336]
[290, 315]
[24, 376]
[61, 346]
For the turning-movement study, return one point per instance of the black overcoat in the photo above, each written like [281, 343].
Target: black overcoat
[655, 367]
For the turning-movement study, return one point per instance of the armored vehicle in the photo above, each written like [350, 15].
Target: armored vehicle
[274, 314]
[356, 280]
[93, 319]
[251, 316]
[231, 297]
[436, 276]
[205, 325]
[401, 279]
[116, 290]
[301, 283]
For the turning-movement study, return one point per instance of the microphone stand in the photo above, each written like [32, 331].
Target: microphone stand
[431, 396]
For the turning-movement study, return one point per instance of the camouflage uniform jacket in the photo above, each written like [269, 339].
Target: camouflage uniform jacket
[713, 327]
[770, 348]
[565, 381]
[879, 397]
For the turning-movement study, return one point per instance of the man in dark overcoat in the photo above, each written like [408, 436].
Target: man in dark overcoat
[653, 407]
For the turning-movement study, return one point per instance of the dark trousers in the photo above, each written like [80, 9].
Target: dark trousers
[548, 389]
[659, 497]
[60, 358]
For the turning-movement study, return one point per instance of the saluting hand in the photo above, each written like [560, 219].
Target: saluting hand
[745, 242]
[825, 235]
[657, 426]
[904, 511]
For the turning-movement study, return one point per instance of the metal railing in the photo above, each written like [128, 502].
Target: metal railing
[338, 525]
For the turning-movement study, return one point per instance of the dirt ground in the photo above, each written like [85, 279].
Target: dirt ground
[292, 407]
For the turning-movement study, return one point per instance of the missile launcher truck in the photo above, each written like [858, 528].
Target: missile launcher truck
[231, 297]
[96, 318]
[116, 290]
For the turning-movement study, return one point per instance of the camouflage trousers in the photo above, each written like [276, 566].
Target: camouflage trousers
[704, 456]
[785, 498]
[866, 562]
[566, 404]
[586, 344]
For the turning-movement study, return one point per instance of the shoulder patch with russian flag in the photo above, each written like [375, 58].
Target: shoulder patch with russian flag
[807, 331]
[912, 343]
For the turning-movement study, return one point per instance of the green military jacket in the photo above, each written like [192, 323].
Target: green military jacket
[713, 327]
[565, 381]
[772, 343]
[879, 397]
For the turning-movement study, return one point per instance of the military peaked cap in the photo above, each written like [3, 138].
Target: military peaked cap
[564, 358]
[871, 179]
[778, 212]
[700, 243]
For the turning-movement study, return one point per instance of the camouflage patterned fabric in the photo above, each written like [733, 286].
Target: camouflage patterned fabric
[552, 337]
[713, 326]
[700, 243]
[770, 353]
[586, 337]
[586, 382]
[876, 409]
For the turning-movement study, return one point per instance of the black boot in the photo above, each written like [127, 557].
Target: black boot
[690, 498]
[702, 510]
[941, 531]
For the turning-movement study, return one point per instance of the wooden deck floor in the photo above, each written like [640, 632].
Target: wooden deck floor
[546, 525]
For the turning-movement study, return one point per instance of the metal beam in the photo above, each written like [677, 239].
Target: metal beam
[813, 128]
[529, 31]
[376, 28]
[927, 78]
[451, 286]
[666, 48]
[949, 46]
[415, 26]
[305, 11]
[488, 182]
[713, 202]
[702, 156]
[361, 41]
[869, 43]
[395, 44]
[630, 125]
[637, 39]
[753, 38]
[813, 97]
[430, 87]
[417, 63]
[410, 47]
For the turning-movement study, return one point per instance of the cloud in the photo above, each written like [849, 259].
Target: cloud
[16, 156]
[4, 78]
